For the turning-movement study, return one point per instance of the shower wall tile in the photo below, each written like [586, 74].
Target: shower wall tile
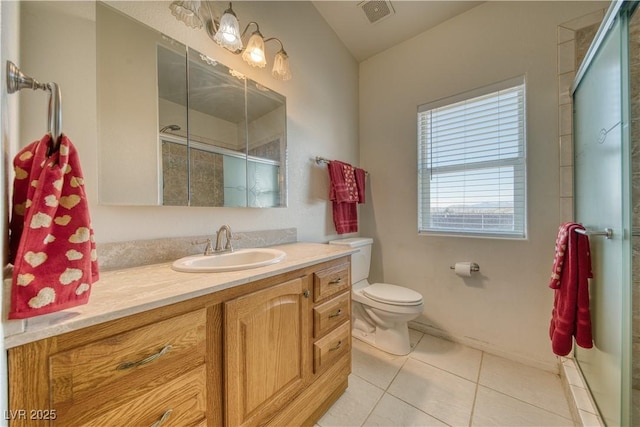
[566, 150]
[634, 40]
[564, 87]
[635, 94]
[565, 34]
[584, 36]
[566, 181]
[566, 57]
[585, 20]
[566, 119]
[566, 209]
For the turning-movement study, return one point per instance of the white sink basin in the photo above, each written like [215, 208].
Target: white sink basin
[241, 259]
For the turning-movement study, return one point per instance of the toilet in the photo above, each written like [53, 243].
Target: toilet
[380, 311]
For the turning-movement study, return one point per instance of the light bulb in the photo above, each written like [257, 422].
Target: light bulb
[281, 69]
[228, 35]
[254, 53]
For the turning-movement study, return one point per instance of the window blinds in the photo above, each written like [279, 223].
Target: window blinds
[471, 163]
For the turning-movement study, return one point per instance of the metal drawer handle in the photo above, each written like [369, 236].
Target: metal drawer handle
[129, 365]
[336, 281]
[163, 418]
[337, 346]
[336, 314]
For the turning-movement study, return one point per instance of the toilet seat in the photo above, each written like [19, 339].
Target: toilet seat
[392, 294]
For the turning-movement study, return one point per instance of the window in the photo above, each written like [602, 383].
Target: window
[471, 163]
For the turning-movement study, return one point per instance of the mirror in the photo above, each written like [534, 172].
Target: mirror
[193, 132]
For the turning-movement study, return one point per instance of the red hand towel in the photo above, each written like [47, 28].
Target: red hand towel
[343, 193]
[51, 242]
[343, 182]
[570, 278]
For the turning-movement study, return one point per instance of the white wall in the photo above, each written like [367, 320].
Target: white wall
[506, 308]
[322, 109]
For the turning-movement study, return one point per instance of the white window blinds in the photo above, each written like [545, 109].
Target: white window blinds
[471, 163]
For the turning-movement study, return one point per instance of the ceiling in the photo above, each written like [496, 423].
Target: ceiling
[364, 39]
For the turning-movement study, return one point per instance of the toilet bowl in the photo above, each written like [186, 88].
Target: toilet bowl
[380, 311]
[380, 315]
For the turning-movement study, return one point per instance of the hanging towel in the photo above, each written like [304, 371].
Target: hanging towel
[570, 317]
[361, 176]
[51, 243]
[343, 193]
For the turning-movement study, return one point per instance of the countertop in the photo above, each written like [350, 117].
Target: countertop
[121, 293]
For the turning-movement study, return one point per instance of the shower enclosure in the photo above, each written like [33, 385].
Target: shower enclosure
[606, 111]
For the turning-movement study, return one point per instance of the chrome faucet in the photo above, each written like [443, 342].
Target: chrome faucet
[227, 247]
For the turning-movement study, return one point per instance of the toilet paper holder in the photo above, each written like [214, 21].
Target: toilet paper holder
[474, 267]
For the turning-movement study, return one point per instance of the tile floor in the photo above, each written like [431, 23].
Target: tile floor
[442, 383]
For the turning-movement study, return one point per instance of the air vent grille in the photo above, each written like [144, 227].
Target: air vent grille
[376, 10]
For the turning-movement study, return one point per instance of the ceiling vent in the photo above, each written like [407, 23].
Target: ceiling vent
[376, 10]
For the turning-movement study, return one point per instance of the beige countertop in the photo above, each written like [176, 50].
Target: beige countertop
[121, 293]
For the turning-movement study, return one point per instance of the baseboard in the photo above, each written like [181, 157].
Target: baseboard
[486, 347]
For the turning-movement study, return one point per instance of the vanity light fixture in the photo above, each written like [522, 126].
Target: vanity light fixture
[226, 33]
[187, 11]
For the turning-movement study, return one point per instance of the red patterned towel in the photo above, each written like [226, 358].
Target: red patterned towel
[571, 316]
[343, 193]
[51, 242]
[343, 182]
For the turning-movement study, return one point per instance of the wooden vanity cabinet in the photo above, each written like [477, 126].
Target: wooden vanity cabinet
[271, 352]
[138, 370]
[266, 351]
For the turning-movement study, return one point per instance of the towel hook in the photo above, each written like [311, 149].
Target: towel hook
[17, 80]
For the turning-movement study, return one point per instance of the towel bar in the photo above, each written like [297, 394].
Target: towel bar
[17, 80]
[320, 160]
[608, 232]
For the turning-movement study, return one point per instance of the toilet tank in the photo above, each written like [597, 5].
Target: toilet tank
[361, 260]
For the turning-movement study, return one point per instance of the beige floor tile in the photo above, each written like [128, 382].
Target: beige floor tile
[373, 365]
[496, 409]
[414, 337]
[354, 406]
[440, 394]
[391, 411]
[540, 388]
[452, 357]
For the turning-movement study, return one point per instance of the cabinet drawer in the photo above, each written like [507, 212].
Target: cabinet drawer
[129, 360]
[330, 281]
[182, 402]
[329, 314]
[329, 349]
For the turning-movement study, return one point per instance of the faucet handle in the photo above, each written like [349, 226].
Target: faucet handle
[208, 250]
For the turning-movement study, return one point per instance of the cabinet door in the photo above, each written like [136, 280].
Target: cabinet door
[267, 351]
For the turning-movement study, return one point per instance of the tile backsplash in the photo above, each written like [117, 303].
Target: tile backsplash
[113, 256]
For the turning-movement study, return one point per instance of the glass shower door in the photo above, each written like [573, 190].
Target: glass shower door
[601, 147]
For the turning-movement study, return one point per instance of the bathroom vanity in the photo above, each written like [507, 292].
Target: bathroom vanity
[268, 346]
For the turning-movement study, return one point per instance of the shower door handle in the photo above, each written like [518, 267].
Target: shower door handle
[608, 232]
